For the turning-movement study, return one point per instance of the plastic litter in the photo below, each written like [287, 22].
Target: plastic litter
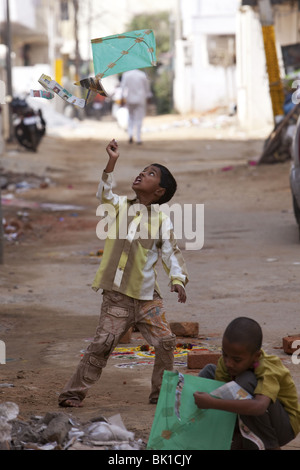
[8, 412]
[59, 431]
[109, 433]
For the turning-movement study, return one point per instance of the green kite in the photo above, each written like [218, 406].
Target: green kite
[119, 53]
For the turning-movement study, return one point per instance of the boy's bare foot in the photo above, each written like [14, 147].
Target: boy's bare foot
[71, 403]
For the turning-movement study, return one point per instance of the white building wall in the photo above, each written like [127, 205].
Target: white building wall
[184, 77]
[254, 105]
[253, 96]
[98, 19]
[205, 86]
[23, 15]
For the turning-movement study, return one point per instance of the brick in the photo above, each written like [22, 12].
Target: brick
[126, 338]
[199, 358]
[287, 342]
[190, 329]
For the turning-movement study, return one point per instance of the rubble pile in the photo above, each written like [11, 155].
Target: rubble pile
[13, 185]
[15, 227]
[59, 431]
[22, 182]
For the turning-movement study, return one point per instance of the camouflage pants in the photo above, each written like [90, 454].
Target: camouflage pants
[118, 313]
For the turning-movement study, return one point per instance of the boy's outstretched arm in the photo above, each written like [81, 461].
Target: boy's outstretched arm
[113, 153]
[257, 406]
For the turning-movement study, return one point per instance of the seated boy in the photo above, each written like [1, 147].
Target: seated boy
[272, 417]
[127, 276]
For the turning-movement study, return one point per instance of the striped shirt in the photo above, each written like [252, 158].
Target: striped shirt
[136, 236]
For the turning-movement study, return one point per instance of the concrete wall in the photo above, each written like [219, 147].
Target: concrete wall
[97, 19]
[21, 12]
[198, 84]
[253, 96]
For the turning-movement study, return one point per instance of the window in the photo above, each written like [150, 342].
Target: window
[221, 50]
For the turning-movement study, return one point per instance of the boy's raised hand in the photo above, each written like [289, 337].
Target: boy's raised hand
[112, 149]
[113, 152]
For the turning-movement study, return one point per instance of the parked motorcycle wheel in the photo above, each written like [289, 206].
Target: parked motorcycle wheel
[26, 136]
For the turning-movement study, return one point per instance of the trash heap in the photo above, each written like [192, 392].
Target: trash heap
[59, 431]
[17, 221]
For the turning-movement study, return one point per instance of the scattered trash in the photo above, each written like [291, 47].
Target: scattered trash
[50, 206]
[8, 412]
[110, 432]
[14, 228]
[98, 253]
[20, 222]
[59, 431]
[10, 200]
[21, 182]
[227, 168]
[202, 122]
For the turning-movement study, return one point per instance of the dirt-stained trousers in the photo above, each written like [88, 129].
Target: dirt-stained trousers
[118, 313]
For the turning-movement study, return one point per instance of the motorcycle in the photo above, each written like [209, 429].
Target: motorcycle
[29, 125]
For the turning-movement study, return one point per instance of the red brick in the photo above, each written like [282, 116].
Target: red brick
[287, 342]
[190, 329]
[199, 358]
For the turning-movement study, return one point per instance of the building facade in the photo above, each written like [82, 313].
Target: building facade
[253, 88]
[205, 63]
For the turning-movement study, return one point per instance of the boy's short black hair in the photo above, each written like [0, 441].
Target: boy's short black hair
[246, 331]
[168, 182]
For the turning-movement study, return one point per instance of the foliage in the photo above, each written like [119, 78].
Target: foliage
[160, 75]
[159, 23]
[163, 93]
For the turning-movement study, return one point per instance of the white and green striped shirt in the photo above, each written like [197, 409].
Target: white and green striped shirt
[135, 239]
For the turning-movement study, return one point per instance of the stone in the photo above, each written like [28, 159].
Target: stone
[197, 359]
[287, 343]
[57, 429]
[190, 329]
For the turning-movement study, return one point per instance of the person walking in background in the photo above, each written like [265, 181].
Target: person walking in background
[135, 93]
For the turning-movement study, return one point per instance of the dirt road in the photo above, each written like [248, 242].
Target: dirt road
[249, 265]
